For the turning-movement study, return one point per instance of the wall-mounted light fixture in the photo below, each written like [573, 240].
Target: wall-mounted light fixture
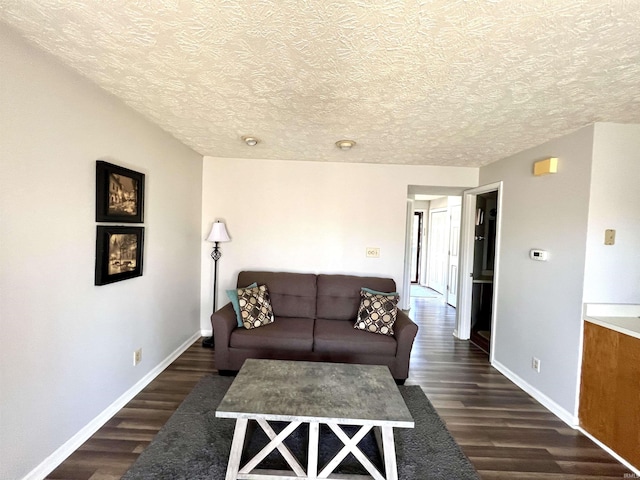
[345, 144]
[251, 141]
[545, 167]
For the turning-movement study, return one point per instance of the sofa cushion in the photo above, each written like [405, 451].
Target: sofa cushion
[285, 334]
[339, 336]
[255, 306]
[377, 312]
[292, 294]
[339, 295]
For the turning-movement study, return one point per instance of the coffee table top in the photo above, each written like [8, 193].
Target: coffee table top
[341, 393]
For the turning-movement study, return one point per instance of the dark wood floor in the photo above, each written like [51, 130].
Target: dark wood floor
[505, 433]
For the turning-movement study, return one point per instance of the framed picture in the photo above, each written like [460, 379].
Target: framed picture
[119, 194]
[118, 253]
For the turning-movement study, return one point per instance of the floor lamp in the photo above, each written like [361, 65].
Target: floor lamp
[218, 234]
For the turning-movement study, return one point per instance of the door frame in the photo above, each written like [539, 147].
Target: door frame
[430, 249]
[449, 296]
[419, 245]
[465, 280]
[405, 300]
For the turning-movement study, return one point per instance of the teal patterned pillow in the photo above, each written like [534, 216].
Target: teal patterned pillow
[377, 312]
[255, 306]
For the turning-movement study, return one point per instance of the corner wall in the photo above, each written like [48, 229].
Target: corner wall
[310, 217]
[612, 272]
[539, 304]
[66, 345]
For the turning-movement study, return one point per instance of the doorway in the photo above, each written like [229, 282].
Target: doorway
[424, 198]
[438, 251]
[479, 266]
[416, 246]
[484, 248]
[454, 254]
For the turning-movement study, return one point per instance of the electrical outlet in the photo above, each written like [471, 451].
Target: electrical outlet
[535, 364]
[137, 357]
[373, 252]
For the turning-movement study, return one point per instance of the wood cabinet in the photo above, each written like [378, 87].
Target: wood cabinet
[610, 390]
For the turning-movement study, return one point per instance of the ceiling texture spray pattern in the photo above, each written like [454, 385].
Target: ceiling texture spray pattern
[439, 82]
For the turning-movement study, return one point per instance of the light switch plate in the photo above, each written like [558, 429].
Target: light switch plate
[609, 236]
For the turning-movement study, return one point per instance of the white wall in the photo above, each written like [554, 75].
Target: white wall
[310, 217]
[612, 273]
[539, 304]
[66, 345]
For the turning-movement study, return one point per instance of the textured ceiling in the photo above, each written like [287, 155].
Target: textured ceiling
[438, 82]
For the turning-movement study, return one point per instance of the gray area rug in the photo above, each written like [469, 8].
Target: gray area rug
[194, 444]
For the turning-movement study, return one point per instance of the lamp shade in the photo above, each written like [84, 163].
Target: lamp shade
[218, 233]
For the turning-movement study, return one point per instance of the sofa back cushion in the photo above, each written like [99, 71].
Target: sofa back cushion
[292, 294]
[339, 295]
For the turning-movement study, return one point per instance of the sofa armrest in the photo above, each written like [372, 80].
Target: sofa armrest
[223, 321]
[405, 331]
[404, 328]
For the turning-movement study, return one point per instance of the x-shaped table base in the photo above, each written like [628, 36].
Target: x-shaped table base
[383, 435]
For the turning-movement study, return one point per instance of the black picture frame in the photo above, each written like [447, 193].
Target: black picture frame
[119, 194]
[119, 253]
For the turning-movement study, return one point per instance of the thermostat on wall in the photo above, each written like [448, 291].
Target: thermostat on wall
[540, 255]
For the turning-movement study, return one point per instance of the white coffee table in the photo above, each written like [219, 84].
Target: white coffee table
[316, 393]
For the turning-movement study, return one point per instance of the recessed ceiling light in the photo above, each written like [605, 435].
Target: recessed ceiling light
[251, 141]
[345, 144]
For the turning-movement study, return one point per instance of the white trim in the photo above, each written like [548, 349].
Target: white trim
[610, 452]
[206, 332]
[611, 310]
[567, 417]
[496, 276]
[405, 300]
[463, 310]
[70, 446]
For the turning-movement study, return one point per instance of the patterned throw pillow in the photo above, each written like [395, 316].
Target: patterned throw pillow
[377, 312]
[233, 297]
[255, 306]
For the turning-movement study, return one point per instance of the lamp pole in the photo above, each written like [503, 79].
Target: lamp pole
[218, 234]
[215, 254]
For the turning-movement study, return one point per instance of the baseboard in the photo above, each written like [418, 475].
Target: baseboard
[206, 333]
[567, 417]
[626, 463]
[62, 453]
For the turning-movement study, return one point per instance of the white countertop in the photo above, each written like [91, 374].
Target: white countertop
[621, 318]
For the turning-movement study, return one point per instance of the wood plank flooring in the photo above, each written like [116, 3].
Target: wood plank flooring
[505, 433]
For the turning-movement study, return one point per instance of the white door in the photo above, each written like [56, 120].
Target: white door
[454, 257]
[438, 250]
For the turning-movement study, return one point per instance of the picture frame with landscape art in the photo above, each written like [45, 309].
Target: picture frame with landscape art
[119, 253]
[119, 194]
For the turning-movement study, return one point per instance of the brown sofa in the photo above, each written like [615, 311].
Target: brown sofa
[314, 318]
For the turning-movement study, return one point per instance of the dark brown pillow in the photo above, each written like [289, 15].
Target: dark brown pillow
[255, 306]
[377, 312]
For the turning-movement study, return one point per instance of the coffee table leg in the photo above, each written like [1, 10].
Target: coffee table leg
[236, 449]
[314, 435]
[389, 447]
